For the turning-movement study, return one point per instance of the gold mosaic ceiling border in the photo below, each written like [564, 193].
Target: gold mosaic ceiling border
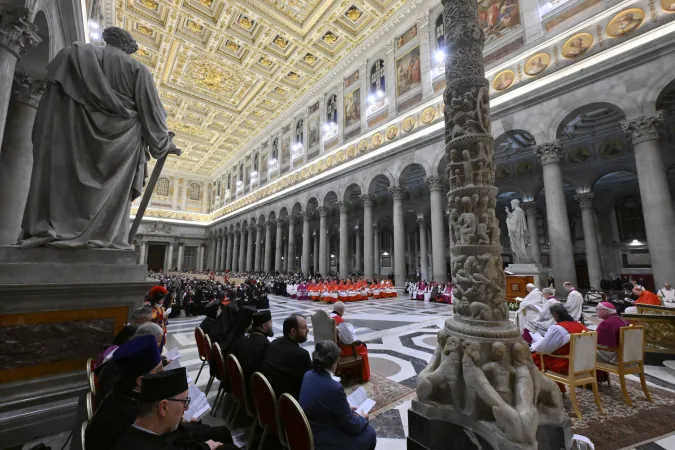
[225, 70]
[401, 127]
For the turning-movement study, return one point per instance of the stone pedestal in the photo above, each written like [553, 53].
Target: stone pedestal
[62, 306]
[433, 428]
[538, 272]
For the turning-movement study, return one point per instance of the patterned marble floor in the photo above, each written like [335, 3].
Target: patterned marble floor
[401, 337]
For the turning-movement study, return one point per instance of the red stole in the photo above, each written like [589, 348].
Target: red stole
[560, 365]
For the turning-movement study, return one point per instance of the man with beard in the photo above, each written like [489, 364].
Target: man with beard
[285, 361]
[251, 350]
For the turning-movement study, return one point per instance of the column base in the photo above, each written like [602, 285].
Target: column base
[538, 272]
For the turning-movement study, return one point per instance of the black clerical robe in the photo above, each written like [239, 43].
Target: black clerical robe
[135, 439]
[124, 335]
[285, 365]
[251, 354]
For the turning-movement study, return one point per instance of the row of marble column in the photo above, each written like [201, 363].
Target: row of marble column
[233, 251]
[142, 249]
[657, 207]
[20, 93]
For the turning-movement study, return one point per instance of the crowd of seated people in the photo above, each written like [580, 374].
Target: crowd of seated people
[429, 291]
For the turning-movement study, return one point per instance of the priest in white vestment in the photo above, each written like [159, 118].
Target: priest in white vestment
[530, 306]
[575, 301]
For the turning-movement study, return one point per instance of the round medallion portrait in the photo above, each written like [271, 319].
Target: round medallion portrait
[625, 22]
[503, 80]
[428, 115]
[408, 124]
[537, 64]
[577, 45]
[392, 132]
[376, 140]
[363, 145]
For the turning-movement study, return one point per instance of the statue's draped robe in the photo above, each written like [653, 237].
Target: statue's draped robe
[99, 117]
[518, 236]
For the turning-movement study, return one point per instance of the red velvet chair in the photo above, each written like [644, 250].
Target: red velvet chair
[221, 375]
[265, 402]
[203, 347]
[238, 386]
[296, 428]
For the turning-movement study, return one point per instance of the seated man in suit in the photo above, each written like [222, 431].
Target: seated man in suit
[335, 425]
[285, 361]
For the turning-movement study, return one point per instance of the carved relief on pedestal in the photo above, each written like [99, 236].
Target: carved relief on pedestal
[645, 128]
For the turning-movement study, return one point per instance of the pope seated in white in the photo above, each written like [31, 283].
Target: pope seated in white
[347, 339]
[530, 306]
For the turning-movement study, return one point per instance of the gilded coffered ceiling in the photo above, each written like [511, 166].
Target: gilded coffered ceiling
[225, 69]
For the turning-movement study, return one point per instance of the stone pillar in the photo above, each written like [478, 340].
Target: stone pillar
[242, 250]
[235, 251]
[435, 184]
[223, 252]
[306, 217]
[230, 261]
[357, 234]
[424, 259]
[16, 155]
[280, 246]
[425, 56]
[200, 256]
[368, 255]
[258, 263]
[181, 252]
[290, 264]
[268, 245]
[252, 233]
[16, 34]
[657, 205]
[533, 230]
[284, 257]
[144, 253]
[219, 249]
[323, 217]
[169, 258]
[398, 192]
[562, 249]
[176, 190]
[344, 240]
[376, 250]
[315, 238]
[590, 239]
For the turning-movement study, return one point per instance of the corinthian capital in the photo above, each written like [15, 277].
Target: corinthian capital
[548, 153]
[398, 192]
[435, 183]
[27, 89]
[368, 200]
[16, 31]
[585, 200]
[645, 128]
[307, 216]
[261, 226]
[343, 206]
[323, 211]
[269, 224]
[530, 207]
[280, 222]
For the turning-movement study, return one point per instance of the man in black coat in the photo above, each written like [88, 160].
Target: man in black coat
[250, 351]
[285, 361]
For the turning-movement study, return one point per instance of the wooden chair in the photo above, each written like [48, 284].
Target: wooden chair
[631, 359]
[583, 349]
[266, 406]
[203, 347]
[83, 430]
[295, 426]
[324, 329]
[238, 386]
[90, 405]
[221, 375]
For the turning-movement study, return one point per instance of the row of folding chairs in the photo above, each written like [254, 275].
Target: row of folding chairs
[283, 418]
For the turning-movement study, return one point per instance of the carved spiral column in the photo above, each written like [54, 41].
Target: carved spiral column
[279, 245]
[562, 249]
[323, 256]
[252, 232]
[268, 245]
[344, 240]
[16, 34]
[306, 243]
[290, 264]
[398, 193]
[590, 238]
[533, 229]
[368, 201]
[435, 184]
[16, 158]
[258, 263]
[657, 205]
[490, 374]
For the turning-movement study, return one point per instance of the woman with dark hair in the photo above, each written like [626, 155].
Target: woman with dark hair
[335, 425]
[557, 341]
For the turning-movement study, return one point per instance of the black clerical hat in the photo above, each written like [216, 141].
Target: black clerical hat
[163, 385]
[262, 316]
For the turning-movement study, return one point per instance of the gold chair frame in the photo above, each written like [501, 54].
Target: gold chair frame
[575, 378]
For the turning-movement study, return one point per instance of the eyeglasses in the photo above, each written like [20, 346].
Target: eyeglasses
[186, 402]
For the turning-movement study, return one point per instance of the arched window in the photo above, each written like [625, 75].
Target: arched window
[194, 191]
[299, 134]
[630, 220]
[331, 109]
[377, 77]
[163, 187]
[440, 33]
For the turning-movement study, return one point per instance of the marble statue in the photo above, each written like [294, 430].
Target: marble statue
[482, 372]
[517, 226]
[97, 125]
